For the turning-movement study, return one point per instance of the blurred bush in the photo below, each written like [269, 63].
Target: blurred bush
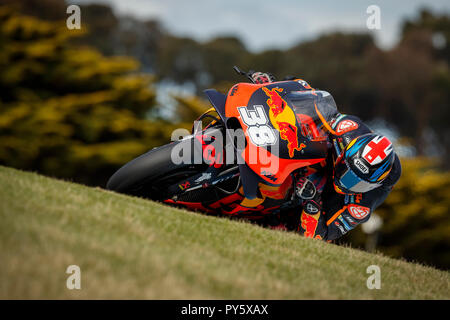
[188, 108]
[68, 111]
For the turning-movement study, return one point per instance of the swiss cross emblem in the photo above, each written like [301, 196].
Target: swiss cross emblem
[346, 126]
[377, 150]
[358, 212]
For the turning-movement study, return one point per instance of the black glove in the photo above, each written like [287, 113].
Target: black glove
[306, 190]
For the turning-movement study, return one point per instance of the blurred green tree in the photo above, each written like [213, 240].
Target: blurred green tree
[336, 62]
[403, 80]
[189, 108]
[435, 31]
[102, 25]
[68, 111]
[439, 26]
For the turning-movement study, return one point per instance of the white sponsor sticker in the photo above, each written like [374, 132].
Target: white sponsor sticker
[361, 166]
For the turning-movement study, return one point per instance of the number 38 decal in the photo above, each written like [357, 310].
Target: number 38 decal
[256, 120]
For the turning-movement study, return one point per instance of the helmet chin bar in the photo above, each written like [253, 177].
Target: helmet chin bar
[350, 183]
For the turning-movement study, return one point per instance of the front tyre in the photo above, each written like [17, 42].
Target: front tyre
[150, 174]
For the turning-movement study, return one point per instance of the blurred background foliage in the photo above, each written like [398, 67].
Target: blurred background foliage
[78, 104]
[69, 111]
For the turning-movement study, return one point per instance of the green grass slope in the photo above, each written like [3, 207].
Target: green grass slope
[133, 248]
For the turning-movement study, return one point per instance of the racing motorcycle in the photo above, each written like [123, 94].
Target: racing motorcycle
[256, 135]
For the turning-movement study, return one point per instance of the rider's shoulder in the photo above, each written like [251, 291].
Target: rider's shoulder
[349, 125]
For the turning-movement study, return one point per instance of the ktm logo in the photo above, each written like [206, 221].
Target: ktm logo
[233, 90]
[358, 212]
[346, 126]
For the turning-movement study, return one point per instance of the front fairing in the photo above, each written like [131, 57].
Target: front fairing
[295, 118]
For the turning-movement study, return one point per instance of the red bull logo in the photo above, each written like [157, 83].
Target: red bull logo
[283, 119]
[288, 132]
[309, 224]
[275, 102]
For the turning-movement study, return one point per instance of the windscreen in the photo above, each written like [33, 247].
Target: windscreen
[312, 109]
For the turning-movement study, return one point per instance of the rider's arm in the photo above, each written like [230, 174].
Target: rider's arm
[310, 188]
[352, 210]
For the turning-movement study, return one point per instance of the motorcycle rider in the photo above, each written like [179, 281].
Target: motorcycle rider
[361, 170]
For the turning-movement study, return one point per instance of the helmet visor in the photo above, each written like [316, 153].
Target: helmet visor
[349, 181]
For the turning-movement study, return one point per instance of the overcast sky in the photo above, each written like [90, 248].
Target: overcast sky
[263, 24]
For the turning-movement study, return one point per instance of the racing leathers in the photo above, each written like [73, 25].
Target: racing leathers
[331, 213]
[327, 212]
